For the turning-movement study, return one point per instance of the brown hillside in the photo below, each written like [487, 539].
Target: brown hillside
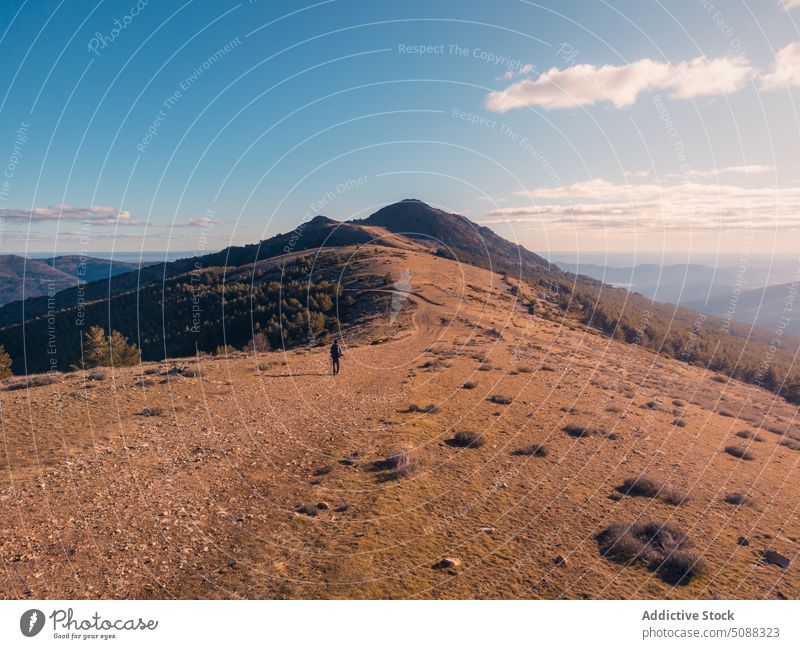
[467, 450]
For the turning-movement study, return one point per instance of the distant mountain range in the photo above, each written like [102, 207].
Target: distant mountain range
[22, 278]
[771, 307]
[197, 304]
[684, 284]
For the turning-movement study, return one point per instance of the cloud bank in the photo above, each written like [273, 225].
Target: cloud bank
[586, 85]
[600, 204]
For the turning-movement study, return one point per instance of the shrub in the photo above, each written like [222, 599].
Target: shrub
[259, 343]
[576, 430]
[431, 408]
[97, 375]
[790, 443]
[399, 464]
[739, 451]
[680, 423]
[470, 385]
[323, 470]
[680, 567]
[501, 399]
[468, 439]
[641, 486]
[152, 411]
[35, 381]
[738, 498]
[746, 434]
[664, 548]
[225, 350]
[536, 450]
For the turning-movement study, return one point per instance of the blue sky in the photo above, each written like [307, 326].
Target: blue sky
[659, 127]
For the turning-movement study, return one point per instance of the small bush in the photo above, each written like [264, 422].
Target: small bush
[535, 450]
[680, 567]
[664, 548]
[323, 470]
[152, 411]
[746, 434]
[191, 372]
[576, 430]
[738, 498]
[674, 497]
[468, 439]
[679, 402]
[501, 399]
[96, 376]
[641, 486]
[524, 369]
[740, 452]
[789, 443]
[35, 381]
[470, 385]
[431, 408]
[152, 370]
[399, 464]
[680, 423]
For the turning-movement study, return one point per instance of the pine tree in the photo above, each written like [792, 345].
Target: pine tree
[5, 363]
[114, 350]
[96, 352]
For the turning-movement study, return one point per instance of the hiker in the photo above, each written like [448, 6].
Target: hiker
[336, 354]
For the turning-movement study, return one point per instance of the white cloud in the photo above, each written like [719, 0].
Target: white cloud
[745, 170]
[785, 71]
[586, 85]
[637, 174]
[201, 222]
[96, 215]
[791, 4]
[510, 74]
[600, 204]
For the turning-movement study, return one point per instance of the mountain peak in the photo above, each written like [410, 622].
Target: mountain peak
[320, 220]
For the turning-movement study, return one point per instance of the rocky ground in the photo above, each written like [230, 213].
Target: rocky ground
[467, 450]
